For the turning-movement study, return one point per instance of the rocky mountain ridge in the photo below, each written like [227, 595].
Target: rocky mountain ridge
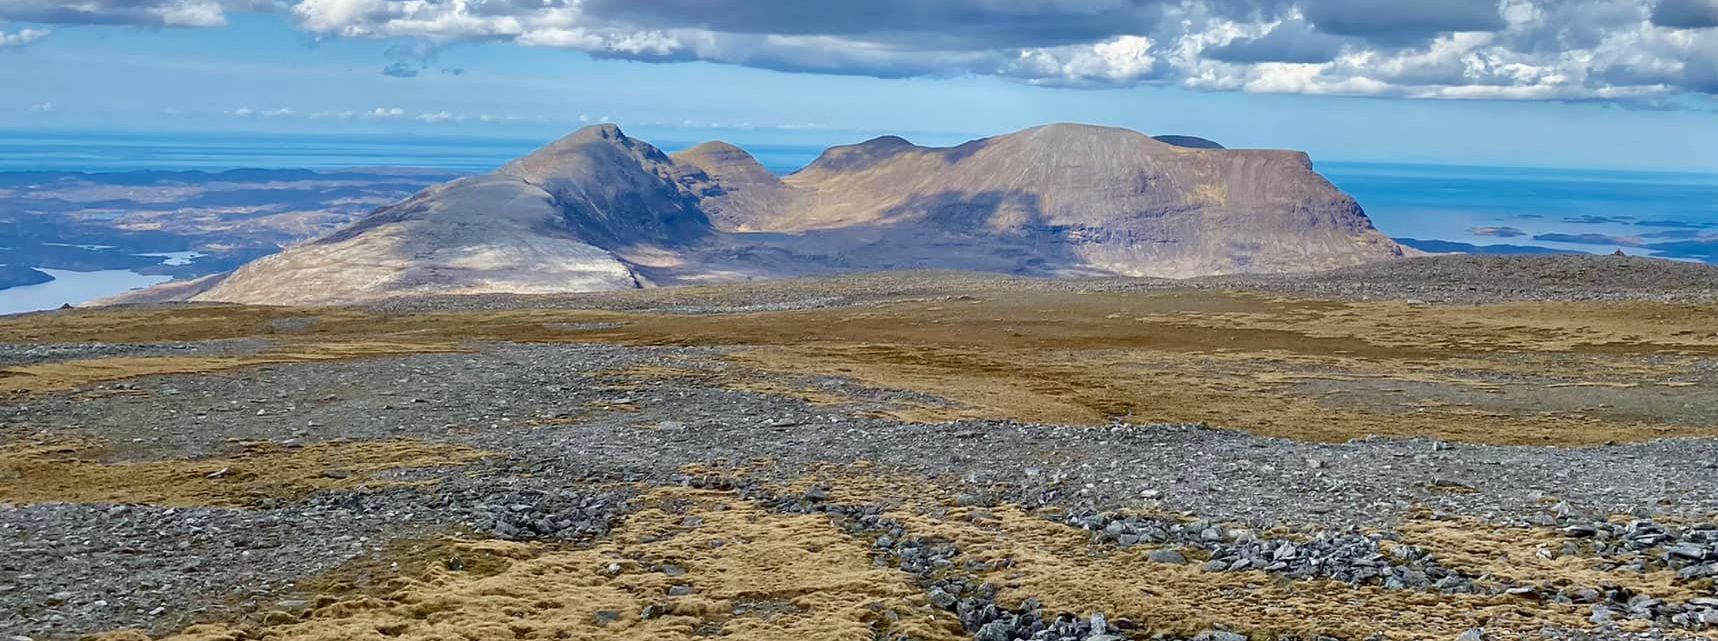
[600, 210]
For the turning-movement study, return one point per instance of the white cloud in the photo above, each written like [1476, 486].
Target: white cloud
[152, 13]
[1118, 61]
[242, 112]
[1495, 49]
[1468, 49]
[386, 112]
[21, 38]
[440, 116]
[42, 108]
[277, 113]
[191, 14]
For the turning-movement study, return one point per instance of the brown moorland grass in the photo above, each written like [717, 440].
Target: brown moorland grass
[1531, 556]
[1223, 358]
[73, 473]
[753, 576]
[62, 375]
[1063, 570]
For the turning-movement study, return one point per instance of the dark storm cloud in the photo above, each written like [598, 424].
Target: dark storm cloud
[1686, 14]
[1401, 21]
[952, 24]
[1291, 41]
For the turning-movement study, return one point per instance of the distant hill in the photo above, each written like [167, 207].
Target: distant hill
[1452, 247]
[600, 210]
[19, 276]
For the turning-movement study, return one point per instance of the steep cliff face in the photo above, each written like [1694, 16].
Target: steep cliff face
[599, 210]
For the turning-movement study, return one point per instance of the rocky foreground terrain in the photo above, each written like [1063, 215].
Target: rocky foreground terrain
[1437, 448]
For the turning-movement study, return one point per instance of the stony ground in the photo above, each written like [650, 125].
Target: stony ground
[776, 462]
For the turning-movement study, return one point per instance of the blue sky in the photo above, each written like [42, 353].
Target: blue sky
[290, 69]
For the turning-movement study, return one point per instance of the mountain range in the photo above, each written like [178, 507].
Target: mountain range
[599, 210]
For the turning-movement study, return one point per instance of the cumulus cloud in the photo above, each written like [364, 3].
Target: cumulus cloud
[158, 13]
[20, 38]
[1632, 50]
[1496, 49]
[42, 108]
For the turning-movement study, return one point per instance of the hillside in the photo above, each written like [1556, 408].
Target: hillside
[599, 210]
[19, 276]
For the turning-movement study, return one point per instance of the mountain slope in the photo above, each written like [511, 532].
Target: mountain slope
[598, 210]
[1108, 199]
[734, 189]
[473, 235]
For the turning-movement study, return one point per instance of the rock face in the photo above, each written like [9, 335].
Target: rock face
[598, 210]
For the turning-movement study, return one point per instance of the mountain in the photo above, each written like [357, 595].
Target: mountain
[20, 276]
[1451, 247]
[599, 210]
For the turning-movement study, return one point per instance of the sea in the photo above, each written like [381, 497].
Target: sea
[1439, 207]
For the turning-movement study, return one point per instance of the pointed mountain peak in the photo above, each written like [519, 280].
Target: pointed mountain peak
[604, 131]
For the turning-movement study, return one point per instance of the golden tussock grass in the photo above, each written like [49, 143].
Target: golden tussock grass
[1060, 567]
[1095, 388]
[62, 375]
[754, 576]
[1532, 556]
[760, 575]
[1229, 359]
[70, 472]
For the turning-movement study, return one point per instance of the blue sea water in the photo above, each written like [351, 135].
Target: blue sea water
[73, 287]
[1447, 202]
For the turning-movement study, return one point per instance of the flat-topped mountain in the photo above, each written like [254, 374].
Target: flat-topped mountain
[599, 210]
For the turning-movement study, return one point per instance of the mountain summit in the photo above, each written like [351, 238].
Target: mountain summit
[599, 210]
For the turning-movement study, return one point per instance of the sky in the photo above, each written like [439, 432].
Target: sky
[1551, 83]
